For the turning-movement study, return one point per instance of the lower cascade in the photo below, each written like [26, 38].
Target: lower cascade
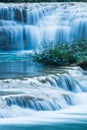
[55, 92]
[28, 26]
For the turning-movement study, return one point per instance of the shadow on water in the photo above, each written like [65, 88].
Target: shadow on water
[14, 69]
[45, 127]
[19, 69]
[14, 65]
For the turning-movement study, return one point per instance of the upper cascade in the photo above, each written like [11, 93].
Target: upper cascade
[27, 26]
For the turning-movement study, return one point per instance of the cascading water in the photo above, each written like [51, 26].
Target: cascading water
[49, 95]
[27, 26]
[57, 93]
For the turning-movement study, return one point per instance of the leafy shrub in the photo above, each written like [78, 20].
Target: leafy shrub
[62, 54]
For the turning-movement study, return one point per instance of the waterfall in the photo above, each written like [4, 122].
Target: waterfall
[29, 26]
[30, 92]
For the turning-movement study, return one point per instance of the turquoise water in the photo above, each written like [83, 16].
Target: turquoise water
[45, 127]
[18, 65]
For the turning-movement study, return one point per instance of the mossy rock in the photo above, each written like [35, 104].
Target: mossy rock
[83, 65]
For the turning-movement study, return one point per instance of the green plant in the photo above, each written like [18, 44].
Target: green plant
[62, 54]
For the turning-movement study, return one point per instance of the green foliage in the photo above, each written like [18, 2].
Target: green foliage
[62, 54]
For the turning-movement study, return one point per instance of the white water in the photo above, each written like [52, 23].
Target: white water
[45, 99]
[28, 26]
